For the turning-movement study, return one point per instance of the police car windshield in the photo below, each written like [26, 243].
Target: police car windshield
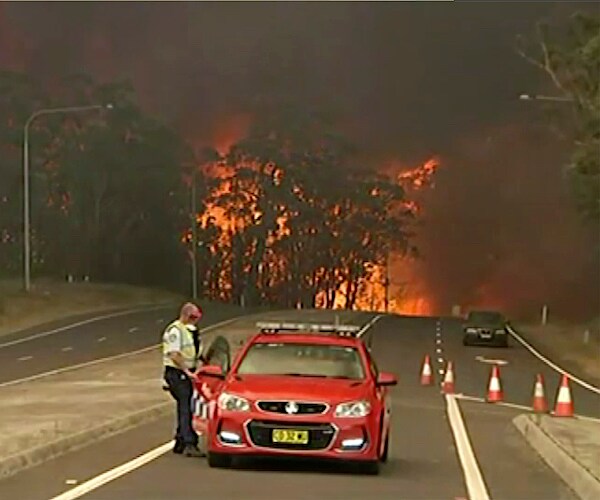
[302, 360]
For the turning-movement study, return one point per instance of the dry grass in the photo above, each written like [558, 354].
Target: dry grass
[567, 343]
[49, 301]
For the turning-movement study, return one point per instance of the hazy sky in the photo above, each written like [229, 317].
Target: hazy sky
[411, 80]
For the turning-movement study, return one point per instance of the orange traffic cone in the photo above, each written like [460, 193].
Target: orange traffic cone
[540, 405]
[564, 402]
[426, 373]
[495, 393]
[448, 383]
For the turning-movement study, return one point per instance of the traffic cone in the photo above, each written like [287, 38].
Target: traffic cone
[448, 383]
[426, 373]
[540, 405]
[564, 402]
[495, 393]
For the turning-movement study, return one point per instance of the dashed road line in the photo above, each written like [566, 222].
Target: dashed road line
[441, 371]
[133, 329]
[67, 349]
[81, 323]
[101, 339]
[440, 360]
[552, 365]
[25, 358]
[438, 341]
[438, 350]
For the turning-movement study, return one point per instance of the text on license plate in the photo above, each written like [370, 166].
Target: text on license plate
[290, 436]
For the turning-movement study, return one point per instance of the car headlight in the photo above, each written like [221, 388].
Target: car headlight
[231, 402]
[353, 409]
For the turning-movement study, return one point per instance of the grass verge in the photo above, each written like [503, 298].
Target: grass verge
[49, 301]
[569, 344]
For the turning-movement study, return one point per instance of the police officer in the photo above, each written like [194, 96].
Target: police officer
[181, 348]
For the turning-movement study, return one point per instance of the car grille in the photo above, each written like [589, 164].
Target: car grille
[319, 435]
[303, 408]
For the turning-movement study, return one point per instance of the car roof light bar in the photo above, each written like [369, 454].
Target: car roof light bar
[275, 326]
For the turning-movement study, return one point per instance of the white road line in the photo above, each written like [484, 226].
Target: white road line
[66, 349]
[109, 358]
[440, 360]
[476, 487]
[80, 323]
[438, 350]
[134, 329]
[25, 358]
[142, 460]
[555, 367]
[438, 341]
[441, 372]
[115, 473]
[101, 339]
[476, 399]
[364, 329]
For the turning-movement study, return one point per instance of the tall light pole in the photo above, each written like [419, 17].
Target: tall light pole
[528, 97]
[26, 203]
[194, 238]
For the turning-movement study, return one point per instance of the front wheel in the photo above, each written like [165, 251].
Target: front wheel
[219, 460]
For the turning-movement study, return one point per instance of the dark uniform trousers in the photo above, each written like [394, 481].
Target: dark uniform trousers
[180, 387]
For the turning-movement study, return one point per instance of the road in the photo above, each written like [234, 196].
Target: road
[424, 461]
[85, 338]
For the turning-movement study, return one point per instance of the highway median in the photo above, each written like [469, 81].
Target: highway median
[570, 446]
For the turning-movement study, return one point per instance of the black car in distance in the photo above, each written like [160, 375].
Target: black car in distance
[486, 328]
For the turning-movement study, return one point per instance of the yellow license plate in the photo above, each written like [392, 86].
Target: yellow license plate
[289, 436]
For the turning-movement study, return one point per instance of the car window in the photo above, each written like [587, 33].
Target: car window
[309, 360]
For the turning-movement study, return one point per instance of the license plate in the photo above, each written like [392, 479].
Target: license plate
[289, 436]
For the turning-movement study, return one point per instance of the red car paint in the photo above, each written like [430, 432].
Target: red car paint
[327, 432]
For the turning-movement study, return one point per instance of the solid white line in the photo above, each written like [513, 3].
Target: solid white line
[134, 329]
[80, 323]
[364, 329]
[476, 399]
[476, 487]
[557, 368]
[25, 358]
[68, 348]
[109, 358]
[115, 473]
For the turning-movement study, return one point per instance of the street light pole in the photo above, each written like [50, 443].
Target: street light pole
[26, 202]
[194, 238]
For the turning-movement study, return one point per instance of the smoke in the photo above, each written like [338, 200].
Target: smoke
[500, 228]
[411, 81]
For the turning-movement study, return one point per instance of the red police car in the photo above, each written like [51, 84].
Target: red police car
[298, 390]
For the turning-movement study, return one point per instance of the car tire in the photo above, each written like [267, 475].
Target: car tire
[386, 449]
[219, 460]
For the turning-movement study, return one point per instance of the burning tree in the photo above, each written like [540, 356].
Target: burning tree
[299, 223]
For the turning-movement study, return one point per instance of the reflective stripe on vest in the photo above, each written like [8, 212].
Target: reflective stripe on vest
[188, 350]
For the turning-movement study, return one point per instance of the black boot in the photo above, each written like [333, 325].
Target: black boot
[179, 447]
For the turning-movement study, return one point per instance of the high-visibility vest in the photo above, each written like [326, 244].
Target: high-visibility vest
[187, 349]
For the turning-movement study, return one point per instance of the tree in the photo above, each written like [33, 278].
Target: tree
[571, 59]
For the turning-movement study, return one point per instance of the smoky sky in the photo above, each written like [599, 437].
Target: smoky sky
[409, 80]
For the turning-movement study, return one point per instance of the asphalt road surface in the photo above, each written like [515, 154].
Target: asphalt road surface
[424, 462]
[85, 338]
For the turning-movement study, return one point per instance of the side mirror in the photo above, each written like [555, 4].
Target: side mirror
[214, 371]
[386, 380]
